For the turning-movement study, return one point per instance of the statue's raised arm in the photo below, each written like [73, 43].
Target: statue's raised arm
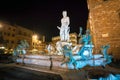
[80, 31]
[58, 27]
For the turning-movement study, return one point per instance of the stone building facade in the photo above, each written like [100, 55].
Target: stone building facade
[24, 33]
[104, 24]
[12, 34]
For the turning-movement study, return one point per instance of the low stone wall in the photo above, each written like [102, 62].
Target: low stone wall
[42, 60]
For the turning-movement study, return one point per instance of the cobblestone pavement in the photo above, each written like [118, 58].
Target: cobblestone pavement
[44, 73]
[17, 72]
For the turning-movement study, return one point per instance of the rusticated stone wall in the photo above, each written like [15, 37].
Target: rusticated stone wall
[104, 24]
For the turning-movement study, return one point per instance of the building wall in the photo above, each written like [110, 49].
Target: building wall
[104, 24]
[12, 34]
[9, 34]
[55, 39]
[38, 43]
[73, 38]
[23, 33]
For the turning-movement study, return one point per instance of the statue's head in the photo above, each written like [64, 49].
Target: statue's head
[64, 13]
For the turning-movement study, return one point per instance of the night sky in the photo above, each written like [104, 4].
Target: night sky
[44, 16]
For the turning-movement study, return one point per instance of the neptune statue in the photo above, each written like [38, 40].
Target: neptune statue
[64, 29]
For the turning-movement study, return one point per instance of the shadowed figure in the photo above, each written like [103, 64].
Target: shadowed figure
[51, 63]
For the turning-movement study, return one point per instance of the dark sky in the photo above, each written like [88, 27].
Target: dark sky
[44, 16]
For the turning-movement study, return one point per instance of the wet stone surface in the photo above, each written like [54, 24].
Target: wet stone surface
[15, 73]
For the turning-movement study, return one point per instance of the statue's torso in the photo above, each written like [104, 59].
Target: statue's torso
[65, 22]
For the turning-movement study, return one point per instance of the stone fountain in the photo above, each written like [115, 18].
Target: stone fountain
[65, 57]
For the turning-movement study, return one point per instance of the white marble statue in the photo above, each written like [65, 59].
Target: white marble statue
[50, 49]
[64, 29]
[59, 48]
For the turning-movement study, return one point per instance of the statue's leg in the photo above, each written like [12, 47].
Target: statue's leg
[66, 35]
[75, 64]
[81, 51]
[68, 38]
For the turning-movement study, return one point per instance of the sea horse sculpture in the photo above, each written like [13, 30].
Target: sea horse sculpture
[68, 56]
[105, 53]
[21, 49]
[87, 46]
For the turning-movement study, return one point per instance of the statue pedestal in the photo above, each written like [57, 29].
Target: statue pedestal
[66, 43]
